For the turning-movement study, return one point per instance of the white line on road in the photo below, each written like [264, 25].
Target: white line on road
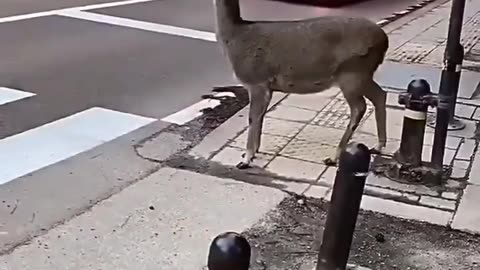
[142, 25]
[188, 114]
[8, 95]
[56, 11]
[37, 148]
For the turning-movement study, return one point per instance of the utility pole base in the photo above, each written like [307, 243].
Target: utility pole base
[425, 175]
[453, 125]
[456, 124]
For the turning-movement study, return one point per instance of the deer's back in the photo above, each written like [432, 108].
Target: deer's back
[310, 48]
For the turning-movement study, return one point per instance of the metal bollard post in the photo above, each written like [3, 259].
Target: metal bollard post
[345, 204]
[449, 84]
[229, 251]
[416, 101]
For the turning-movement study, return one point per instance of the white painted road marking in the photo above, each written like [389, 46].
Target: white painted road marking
[79, 13]
[8, 95]
[188, 114]
[142, 25]
[37, 148]
[55, 12]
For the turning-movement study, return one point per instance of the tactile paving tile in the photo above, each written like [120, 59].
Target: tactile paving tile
[412, 52]
[472, 58]
[429, 46]
[337, 114]
[471, 32]
[431, 35]
[435, 57]
[309, 151]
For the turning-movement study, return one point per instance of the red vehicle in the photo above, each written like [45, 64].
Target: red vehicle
[323, 3]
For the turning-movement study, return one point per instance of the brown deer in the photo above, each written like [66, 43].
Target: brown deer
[303, 57]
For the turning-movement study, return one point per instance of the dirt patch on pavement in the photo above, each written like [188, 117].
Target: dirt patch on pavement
[289, 238]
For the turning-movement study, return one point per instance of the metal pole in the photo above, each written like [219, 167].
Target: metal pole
[229, 251]
[345, 204]
[449, 83]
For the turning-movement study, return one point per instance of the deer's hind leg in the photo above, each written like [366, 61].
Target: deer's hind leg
[357, 111]
[260, 97]
[379, 99]
[352, 87]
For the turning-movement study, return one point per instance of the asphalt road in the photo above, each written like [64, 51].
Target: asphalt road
[70, 65]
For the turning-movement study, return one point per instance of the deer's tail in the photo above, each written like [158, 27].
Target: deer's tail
[383, 47]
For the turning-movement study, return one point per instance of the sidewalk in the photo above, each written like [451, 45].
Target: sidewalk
[300, 131]
[299, 134]
[164, 222]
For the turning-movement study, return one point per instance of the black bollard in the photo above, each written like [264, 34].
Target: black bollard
[229, 251]
[416, 101]
[344, 207]
[449, 84]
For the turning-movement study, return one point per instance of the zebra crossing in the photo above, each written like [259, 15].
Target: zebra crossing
[50, 143]
[61, 139]
[34, 149]
[8, 95]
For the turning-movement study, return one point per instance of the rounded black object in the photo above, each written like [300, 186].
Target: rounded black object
[418, 88]
[355, 158]
[229, 251]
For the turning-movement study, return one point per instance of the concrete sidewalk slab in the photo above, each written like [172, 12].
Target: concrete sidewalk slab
[165, 221]
[467, 217]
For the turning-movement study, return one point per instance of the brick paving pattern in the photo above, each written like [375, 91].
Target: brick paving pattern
[423, 39]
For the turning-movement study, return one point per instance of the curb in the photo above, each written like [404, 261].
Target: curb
[399, 14]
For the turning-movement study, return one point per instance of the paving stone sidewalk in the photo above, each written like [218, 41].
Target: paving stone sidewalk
[423, 39]
[300, 131]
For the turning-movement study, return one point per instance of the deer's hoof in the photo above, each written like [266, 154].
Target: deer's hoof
[330, 162]
[242, 165]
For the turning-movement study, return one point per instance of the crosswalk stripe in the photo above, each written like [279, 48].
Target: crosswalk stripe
[141, 25]
[40, 14]
[53, 142]
[8, 95]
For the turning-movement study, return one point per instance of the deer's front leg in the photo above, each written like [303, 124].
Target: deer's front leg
[260, 97]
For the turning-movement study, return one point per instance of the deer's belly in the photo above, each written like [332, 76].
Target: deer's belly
[287, 85]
